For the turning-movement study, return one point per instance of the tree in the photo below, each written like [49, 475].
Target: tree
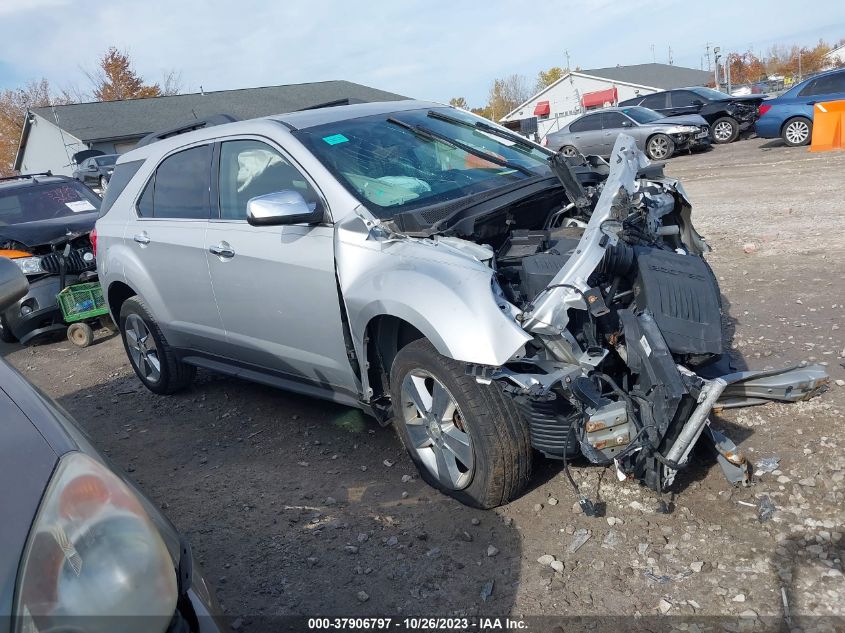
[546, 78]
[746, 68]
[13, 107]
[459, 102]
[115, 79]
[506, 94]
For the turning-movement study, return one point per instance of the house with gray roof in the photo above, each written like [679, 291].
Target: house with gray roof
[578, 91]
[52, 135]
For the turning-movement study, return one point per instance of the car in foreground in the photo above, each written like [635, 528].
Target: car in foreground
[96, 171]
[727, 115]
[485, 295]
[658, 136]
[41, 215]
[790, 116]
[83, 549]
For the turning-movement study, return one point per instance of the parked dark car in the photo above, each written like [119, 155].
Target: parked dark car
[82, 548]
[727, 115]
[96, 171]
[658, 136]
[790, 116]
[40, 215]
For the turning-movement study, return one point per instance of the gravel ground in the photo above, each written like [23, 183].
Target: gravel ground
[296, 506]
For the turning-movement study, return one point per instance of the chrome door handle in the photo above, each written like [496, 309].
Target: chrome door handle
[142, 238]
[222, 250]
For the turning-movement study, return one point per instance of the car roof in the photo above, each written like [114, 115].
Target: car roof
[320, 116]
[25, 180]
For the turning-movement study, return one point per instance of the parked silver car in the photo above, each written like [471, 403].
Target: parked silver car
[484, 294]
[658, 136]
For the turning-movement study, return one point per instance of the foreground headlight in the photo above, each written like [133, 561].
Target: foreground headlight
[29, 265]
[94, 561]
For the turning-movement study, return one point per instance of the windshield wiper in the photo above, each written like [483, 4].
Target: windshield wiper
[486, 127]
[426, 133]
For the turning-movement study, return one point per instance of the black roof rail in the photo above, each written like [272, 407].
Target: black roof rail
[210, 121]
[43, 173]
[327, 104]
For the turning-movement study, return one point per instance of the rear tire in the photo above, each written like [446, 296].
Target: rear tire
[724, 130]
[797, 131]
[660, 147]
[494, 464]
[154, 362]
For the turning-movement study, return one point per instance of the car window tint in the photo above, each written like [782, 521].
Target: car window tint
[809, 89]
[592, 122]
[829, 84]
[684, 98]
[181, 185]
[613, 120]
[123, 173]
[251, 168]
[655, 101]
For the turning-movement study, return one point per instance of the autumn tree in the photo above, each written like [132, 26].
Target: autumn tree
[115, 79]
[14, 105]
[506, 94]
[746, 68]
[546, 78]
[459, 102]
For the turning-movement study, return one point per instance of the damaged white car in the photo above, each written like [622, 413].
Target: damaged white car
[488, 297]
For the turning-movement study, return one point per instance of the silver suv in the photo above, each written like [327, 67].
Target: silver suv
[489, 297]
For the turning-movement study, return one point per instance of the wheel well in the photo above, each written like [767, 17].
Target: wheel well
[117, 294]
[385, 336]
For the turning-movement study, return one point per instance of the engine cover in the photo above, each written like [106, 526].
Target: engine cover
[682, 294]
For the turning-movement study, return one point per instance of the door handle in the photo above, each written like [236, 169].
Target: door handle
[222, 250]
[142, 238]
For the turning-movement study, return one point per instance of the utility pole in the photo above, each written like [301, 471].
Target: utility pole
[653, 58]
[728, 72]
[708, 56]
[799, 65]
[566, 52]
[716, 58]
[670, 55]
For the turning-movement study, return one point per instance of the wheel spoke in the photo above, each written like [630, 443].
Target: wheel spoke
[458, 443]
[417, 434]
[441, 403]
[154, 365]
[447, 467]
[414, 387]
[135, 354]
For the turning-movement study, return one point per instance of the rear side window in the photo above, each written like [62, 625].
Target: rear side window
[655, 101]
[613, 120]
[825, 85]
[587, 123]
[180, 187]
[123, 173]
[684, 98]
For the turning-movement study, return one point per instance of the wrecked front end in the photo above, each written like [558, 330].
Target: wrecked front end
[623, 366]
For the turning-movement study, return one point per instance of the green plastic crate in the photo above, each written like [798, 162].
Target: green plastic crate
[82, 301]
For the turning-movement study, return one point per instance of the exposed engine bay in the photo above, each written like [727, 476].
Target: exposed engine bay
[626, 360]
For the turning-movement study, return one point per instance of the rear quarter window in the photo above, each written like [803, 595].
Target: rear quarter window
[123, 173]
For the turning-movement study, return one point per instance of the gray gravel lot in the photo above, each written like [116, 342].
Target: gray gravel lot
[296, 506]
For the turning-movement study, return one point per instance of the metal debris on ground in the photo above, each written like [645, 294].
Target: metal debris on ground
[767, 464]
[582, 535]
[664, 578]
[766, 509]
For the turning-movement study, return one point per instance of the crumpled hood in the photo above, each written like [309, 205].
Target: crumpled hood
[681, 119]
[32, 234]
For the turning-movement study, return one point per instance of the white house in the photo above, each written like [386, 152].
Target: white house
[582, 90]
[836, 57]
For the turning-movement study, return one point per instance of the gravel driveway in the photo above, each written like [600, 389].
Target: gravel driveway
[296, 506]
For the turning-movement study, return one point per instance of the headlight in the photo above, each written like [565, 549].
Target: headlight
[94, 552]
[29, 265]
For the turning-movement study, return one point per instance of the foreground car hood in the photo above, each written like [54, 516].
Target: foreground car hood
[43, 232]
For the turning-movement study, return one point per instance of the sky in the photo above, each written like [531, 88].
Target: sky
[429, 49]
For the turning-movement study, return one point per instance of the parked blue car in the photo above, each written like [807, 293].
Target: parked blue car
[790, 116]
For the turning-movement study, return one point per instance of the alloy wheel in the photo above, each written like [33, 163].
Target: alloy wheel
[797, 132]
[569, 151]
[658, 147]
[723, 130]
[437, 430]
[142, 348]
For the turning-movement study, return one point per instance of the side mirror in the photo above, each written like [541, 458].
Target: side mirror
[626, 124]
[697, 102]
[282, 207]
[13, 283]
[92, 168]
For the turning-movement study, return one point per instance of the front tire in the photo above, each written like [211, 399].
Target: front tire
[103, 184]
[151, 357]
[797, 131]
[724, 130]
[468, 440]
[660, 147]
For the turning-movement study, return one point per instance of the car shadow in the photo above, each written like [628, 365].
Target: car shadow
[775, 142]
[295, 506]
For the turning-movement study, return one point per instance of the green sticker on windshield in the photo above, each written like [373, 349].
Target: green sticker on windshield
[334, 139]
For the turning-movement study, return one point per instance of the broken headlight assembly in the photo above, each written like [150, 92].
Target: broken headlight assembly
[94, 556]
